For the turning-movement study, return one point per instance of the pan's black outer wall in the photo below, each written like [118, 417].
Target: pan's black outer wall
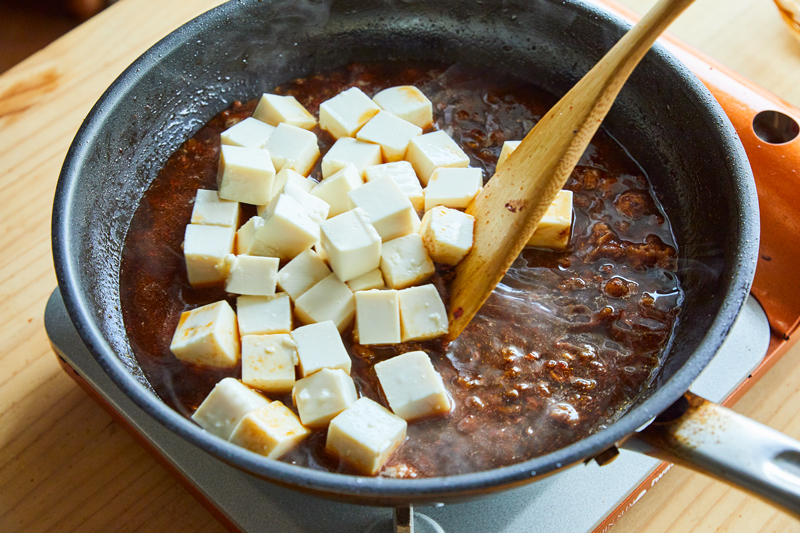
[664, 116]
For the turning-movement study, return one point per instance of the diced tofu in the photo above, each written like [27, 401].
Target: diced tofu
[433, 150]
[302, 273]
[322, 396]
[211, 210]
[268, 362]
[422, 313]
[251, 275]
[365, 282]
[293, 148]
[352, 244]
[274, 109]
[554, 229]
[347, 150]
[345, 114]
[365, 435]
[322, 253]
[264, 315]
[320, 346]
[226, 405]
[335, 187]
[402, 173]
[207, 336]
[507, 150]
[405, 262]
[390, 132]
[408, 103]
[287, 230]
[447, 234]
[246, 235]
[205, 247]
[453, 187]
[245, 175]
[387, 207]
[249, 133]
[328, 300]
[378, 317]
[316, 208]
[290, 176]
[413, 388]
[271, 431]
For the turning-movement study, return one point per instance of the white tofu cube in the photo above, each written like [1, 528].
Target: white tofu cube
[322, 253]
[347, 150]
[302, 273]
[422, 313]
[554, 229]
[322, 396]
[365, 435]
[207, 336]
[335, 187]
[378, 317]
[249, 133]
[204, 248]
[225, 406]
[433, 150]
[390, 132]
[290, 176]
[245, 175]
[408, 103]
[274, 109]
[352, 244]
[287, 230]
[328, 300]
[447, 234]
[246, 235]
[387, 207]
[413, 388]
[402, 173]
[365, 282]
[344, 114]
[251, 275]
[293, 148]
[316, 208]
[405, 262]
[264, 315]
[453, 187]
[320, 346]
[271, 431]
[268, 362]
[507, 150]
[212, 210]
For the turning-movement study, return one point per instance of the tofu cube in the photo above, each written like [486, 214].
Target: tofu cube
[204, 248]
[433, 150]
[268, 362]
[293, 148]
[271, 431]
[352, 244]
[245, 174]
[453, 187]
[287, 230]
[290, 176]
[554, 229]
[402, 173]
[246, 235]
[365, 435]
[405, 262]
[322, 396]
[207, 336]
[249, 133]
[335, 187]
[387, 208]
[322, 253]
[251, 275]
[422, 313]
[345, 114]
[413, 388]
[316, 208]
[212, 210]
[320, 346]
[447, 234]
[264, 315]
[275, 109]
[328, 300]
[390, 132]
[507, 150]
[378, 317]
[408, 103]
[365, 282]
[302, 273]
[225, 406]
[347, 150]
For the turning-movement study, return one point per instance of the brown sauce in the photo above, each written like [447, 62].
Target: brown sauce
[565, 343]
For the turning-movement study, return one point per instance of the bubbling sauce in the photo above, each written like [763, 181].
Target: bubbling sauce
[562, 347]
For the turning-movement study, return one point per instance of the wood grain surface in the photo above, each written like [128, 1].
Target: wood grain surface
[65, 466]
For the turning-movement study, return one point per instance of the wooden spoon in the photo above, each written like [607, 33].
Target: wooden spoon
[513, 202]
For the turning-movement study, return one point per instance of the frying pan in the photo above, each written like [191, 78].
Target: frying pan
[664, 117]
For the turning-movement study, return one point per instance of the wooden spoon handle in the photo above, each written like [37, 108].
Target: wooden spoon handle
[513, 202]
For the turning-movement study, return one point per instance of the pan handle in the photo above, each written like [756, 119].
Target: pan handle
[711, 439]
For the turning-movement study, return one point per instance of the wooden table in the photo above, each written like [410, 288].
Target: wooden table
[65, 465]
